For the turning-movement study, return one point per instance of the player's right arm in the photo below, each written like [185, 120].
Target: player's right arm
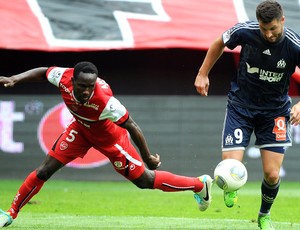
[213, 54]
[35, 74]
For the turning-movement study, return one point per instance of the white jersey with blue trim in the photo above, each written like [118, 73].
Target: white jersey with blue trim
[264, 69]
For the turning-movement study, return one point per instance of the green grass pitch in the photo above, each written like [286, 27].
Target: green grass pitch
[120, 205]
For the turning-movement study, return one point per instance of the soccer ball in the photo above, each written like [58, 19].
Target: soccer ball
[230, 175]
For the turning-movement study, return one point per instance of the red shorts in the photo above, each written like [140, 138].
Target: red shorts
[76, 140]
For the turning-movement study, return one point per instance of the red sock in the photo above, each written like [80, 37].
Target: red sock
[28, 189]
[169, 182]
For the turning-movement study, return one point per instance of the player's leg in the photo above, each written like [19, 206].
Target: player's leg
[170, 182]
[167, 181]
[273, 135]
[271, 162]
[231, 198]
[33, 183]
[30, 187]
[235, 137]
[68, 146]
[129, 163]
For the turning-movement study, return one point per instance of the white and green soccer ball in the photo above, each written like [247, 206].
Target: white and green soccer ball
[230, 175]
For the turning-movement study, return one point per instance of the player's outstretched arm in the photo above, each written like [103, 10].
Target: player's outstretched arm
[213, 54]
[35, 74]
[153, 162]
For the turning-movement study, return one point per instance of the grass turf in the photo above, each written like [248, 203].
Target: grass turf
[120, 205]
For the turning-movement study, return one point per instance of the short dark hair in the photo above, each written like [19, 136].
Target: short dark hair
[85, 67]
[268, 10]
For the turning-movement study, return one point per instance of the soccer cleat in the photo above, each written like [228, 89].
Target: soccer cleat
[5, 219]
[264, 222]
[203, 198]
[230, 198]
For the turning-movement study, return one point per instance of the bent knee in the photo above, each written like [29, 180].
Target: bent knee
[272, 177]
[143, 185]
[43, 174]
[145, 181]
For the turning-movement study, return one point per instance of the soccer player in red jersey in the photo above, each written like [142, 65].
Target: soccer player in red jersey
[102, 122]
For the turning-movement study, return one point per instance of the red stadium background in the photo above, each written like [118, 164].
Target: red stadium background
[58, 26]
[142, 48]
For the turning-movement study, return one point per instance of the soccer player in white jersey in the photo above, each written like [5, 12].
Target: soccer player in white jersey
[258, 100]
[102, 122]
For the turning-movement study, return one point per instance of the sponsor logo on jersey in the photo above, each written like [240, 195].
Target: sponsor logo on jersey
[118, 164]
[64, 88]
[280, 128]
[56, 75]
[112, 108]
[266, 75]
[252, 69]
[91, 105]
[267, 52]
[270, 76]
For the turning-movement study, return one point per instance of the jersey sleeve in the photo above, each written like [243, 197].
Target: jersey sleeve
[114, 111]
[54, 75]
[232, 37]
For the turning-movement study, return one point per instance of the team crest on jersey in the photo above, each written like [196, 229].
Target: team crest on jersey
[63, 145]
[281, 64]
[229, 140]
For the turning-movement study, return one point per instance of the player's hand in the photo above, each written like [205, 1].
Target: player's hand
[6, 81]
[202, 84]
[153, 162]
[295, 114]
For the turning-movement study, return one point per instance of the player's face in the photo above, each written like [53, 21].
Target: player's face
[272, 31]
[84, 86]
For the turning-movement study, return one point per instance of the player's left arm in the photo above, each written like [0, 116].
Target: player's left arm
[153, 162]
[117, 113]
